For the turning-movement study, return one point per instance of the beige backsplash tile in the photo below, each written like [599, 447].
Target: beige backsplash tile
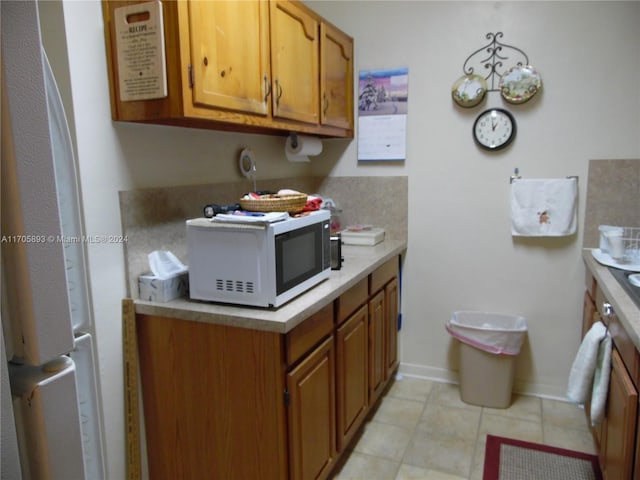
[154, 218]
[380, 201]
[613, 197]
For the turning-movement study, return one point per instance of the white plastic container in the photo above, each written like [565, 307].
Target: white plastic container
[605, 231]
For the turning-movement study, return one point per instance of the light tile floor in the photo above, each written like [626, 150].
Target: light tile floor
[422, 430]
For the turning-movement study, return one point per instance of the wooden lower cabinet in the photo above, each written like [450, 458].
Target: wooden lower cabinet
[392, 299]
[377, 366]
[619, 428]
[636, 465]
[231, 402]
[312, 416]
[616, 435]
[352, 342]
[206, 391]
[383, 333]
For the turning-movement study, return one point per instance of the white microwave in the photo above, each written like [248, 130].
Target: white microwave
[257, 264]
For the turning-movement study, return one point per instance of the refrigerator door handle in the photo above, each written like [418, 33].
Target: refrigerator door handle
[45, 402]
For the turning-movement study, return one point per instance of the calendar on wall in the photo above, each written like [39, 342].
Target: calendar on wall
[382, 114]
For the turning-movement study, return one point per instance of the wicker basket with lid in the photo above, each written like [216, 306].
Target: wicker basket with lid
[292, 203]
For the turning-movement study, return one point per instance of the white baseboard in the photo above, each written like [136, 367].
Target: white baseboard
[533, 389]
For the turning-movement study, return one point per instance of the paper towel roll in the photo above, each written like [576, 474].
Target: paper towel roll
[304, 148]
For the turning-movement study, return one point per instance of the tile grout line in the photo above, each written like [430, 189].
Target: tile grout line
[477, 441]
[415, 428]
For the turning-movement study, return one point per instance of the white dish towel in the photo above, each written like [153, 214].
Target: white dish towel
[544, 207]
[601, 381]
[584, 366]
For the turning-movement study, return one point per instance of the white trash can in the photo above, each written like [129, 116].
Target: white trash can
[489, 344]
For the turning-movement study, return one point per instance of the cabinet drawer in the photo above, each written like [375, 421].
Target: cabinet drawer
[383, 274]
[589, 315]
[351, 299]
[590, 284]
[309, 333]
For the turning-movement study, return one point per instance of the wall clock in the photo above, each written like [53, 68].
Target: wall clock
[494, 129]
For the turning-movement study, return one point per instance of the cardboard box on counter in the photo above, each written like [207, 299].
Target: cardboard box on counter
[163, 290]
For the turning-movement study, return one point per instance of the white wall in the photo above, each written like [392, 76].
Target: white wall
[461, 254]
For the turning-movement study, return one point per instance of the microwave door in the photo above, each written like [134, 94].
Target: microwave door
[299, 256]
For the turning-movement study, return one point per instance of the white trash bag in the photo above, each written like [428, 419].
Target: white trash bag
[492, 332]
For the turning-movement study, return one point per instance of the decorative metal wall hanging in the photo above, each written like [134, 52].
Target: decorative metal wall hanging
[508, 72]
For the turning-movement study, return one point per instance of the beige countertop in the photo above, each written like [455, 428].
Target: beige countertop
[359, 261]
[623, 305]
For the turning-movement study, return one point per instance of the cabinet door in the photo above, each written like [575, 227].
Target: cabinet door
[391, 293]
[336, 77]
[294, 62]
[621, 417]
[312, 417]
[206, 389]
[377, 332]
[589, 317]
[636, 463]
[230, 54]
[352, 367]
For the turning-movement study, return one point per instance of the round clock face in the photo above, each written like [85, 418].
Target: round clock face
[494, 129]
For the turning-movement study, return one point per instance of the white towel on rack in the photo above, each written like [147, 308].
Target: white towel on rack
[584, 365]
[601, 381]
[544, 207]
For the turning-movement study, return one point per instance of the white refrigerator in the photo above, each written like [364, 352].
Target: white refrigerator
[52, 422]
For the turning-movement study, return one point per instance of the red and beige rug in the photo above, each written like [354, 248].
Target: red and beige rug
[509, 459]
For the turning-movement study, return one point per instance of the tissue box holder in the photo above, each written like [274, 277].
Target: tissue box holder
[156, 289]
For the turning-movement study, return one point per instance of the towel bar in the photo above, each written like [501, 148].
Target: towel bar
[516, 176]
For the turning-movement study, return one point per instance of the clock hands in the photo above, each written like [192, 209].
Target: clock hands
[494, 124]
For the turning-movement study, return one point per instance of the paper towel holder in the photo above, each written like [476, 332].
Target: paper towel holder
[247, 164]
[299, 147]
[294, 139]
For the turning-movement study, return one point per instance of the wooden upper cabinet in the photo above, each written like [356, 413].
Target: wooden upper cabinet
[251, 66]
[336, 77]
[230, 55]
[294, 62]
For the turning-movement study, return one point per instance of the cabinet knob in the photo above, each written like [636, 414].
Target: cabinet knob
[607, 310]
[205, 60]
[326, 103]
